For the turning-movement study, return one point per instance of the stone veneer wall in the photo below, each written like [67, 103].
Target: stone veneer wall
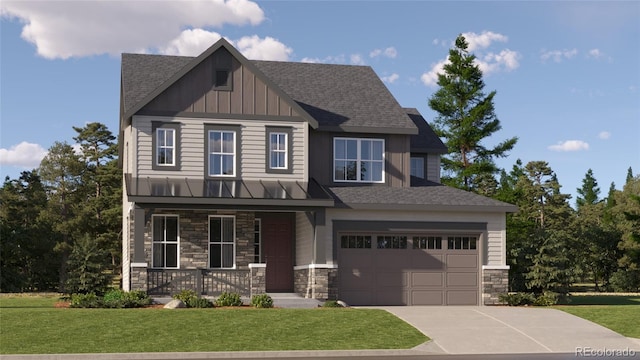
[317, 283]
[258, 280]
[494, 283]
[194, 237]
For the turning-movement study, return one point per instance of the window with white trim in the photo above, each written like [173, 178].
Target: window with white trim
[358, 160]
[278, 150]
[222, 244]
[166, 249]
[166, 150]
[222, 153]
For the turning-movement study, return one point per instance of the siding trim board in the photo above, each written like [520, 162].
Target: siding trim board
[204, 115]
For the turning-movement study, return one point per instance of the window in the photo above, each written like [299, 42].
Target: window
[461, 242]
[222, 80]
[222, 151]
[417, 167]
[165, 241]
[222, 245]
[278, 149]
[257, 241]
[166, 138]
[427, 242]
[392, 242]
[355, 241]
[358, 160]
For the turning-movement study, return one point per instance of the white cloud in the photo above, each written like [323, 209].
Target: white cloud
[64, 29]
[354, 59]
[389, 52]
[25, 155]
[483, 40]
[569, 145]
[595, 53]
[268, 48]
[487, 60]
[558, 55]
[604, 135]
[190, 42]
[391, 78]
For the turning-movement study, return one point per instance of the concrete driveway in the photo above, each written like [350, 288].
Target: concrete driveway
[510, 330]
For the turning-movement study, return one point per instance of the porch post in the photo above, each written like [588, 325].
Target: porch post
[319, 253]
[138, 235]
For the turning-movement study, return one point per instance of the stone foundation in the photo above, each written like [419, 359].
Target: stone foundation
[258, 279]
[495, 281]
[316, 282]
[138, 278]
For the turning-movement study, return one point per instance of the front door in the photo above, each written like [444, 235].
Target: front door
[277, 242]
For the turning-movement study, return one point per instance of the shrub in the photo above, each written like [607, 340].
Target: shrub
[262, 301]
[626, 280]
[89, 300]
[331, 304]
[517, 299]
[547, 298]
[117, 298]
[191, 300]
[229, 299]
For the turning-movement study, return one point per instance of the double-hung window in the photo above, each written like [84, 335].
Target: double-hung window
[417, 166]
[278, 150]
[222, 151]
[165, 241]
[222, 244]
[358, 160]
[166, 140]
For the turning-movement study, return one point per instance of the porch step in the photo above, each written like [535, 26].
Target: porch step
[281, 300]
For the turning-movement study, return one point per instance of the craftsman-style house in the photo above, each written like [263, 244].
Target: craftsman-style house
[260, 176]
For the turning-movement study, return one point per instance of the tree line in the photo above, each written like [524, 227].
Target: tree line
[60, 224]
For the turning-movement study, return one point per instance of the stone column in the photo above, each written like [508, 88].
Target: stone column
[258, 278]
[495, 281]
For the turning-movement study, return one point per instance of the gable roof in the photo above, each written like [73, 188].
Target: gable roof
[426, 141]
[144, 77]
[331, 97]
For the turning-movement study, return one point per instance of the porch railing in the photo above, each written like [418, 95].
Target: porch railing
[203, 281]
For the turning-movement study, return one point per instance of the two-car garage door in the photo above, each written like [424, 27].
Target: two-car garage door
[389, 269]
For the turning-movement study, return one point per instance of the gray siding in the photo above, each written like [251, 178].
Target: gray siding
[192, 152]
[195, 92]
[304, 239]
[397, 155]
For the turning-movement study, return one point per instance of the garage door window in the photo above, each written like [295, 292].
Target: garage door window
[461, 242]
[392, 242]
[355, 242]
[427, 242]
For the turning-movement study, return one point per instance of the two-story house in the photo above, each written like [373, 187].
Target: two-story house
[260, 176]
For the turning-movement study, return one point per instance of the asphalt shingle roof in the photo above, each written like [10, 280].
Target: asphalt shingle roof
[337, 96]
[426, 141]
[429, 195]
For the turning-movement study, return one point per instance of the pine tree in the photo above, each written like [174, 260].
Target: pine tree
[589, 191]
[466, 116]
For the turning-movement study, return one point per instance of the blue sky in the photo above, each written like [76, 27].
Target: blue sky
[567, 74]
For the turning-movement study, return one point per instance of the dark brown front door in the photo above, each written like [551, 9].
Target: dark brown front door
[277, 242]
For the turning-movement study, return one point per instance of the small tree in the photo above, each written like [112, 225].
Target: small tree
[87, 267]
[465, 118]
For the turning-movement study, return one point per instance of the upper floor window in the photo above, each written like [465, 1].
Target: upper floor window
[278, 149]
[417, 167]
[222, 151]
[358, 160]
[165, 145]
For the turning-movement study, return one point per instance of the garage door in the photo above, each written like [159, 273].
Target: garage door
[408, 270]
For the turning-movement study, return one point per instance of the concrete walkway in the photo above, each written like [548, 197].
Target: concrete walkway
[502, 330]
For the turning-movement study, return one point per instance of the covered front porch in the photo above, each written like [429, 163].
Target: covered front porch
[269, 245]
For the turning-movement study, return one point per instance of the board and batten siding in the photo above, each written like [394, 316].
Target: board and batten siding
[192, 148]
[493, 241]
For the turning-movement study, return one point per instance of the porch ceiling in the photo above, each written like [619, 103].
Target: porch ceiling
[188, 191]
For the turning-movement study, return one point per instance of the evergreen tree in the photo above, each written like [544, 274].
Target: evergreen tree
[466, 117]
[629, 175]
[86, 268]
[589, 191]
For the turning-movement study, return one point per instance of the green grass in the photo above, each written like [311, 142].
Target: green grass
[618, 313]
[33, 326]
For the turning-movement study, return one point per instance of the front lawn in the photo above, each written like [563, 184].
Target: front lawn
[618, 313]
[31, 325]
